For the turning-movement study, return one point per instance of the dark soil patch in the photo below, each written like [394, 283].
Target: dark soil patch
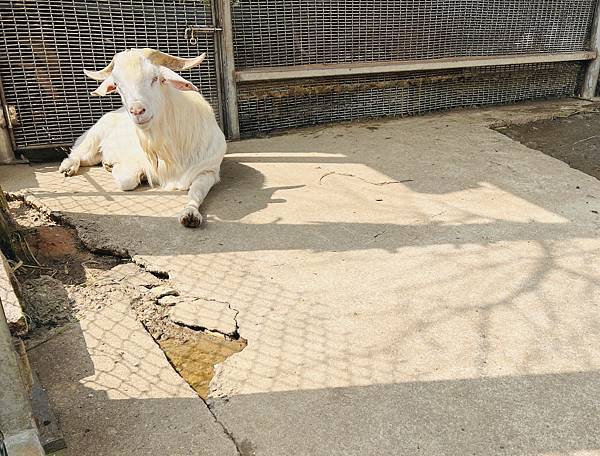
[54, 249]
[574, 140]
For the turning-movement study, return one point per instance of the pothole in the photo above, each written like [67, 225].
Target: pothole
[61, 280]
[196, 357]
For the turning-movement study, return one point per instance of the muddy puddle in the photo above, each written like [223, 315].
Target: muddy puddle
[61, 280]
[195, 359]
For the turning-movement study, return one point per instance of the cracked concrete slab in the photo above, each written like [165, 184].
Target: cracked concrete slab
[162, 291]
[132, 274]
[15, 317]
[115, 393]
[205, 314]
[476, 270]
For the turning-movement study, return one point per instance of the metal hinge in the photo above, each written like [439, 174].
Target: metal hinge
[190, 32]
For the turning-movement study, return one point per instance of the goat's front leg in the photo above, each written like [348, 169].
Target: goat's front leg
[190, 216]
[85, 152]
[127, 175]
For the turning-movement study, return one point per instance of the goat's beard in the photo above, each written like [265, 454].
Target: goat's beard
[155, 145]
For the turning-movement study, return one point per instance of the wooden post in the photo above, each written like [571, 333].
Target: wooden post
[228, 65]
[6, 151]
[6, 229]
[588, 91]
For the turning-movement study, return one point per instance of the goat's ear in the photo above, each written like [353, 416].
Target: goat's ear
[173, 79]
[107, 86]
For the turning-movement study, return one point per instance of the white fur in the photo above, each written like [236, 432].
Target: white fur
[181, 148]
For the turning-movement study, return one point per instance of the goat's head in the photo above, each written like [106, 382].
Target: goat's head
[141, 77]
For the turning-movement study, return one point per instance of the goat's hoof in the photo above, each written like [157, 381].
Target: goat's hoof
[190, 217]
[69, 167]
[108, 166]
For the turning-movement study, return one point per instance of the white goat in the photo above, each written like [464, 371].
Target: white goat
[165, 133]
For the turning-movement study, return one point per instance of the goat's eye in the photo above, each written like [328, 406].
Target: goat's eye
[154, 79]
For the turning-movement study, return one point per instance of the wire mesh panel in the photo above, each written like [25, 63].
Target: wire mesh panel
[278, 105]
[299, 32]
[46, 44]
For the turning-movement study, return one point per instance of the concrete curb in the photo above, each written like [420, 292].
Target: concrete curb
[16, 416]
[9, 296]
[25, 443]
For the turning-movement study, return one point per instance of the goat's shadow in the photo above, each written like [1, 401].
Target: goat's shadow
[240, 193]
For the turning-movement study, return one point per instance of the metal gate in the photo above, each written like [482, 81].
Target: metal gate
[277, 64]
[45, 45]
[302, 62]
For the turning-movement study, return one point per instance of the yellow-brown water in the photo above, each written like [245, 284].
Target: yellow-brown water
[195, 359]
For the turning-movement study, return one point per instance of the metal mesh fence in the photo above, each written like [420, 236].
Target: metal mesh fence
[279, 105]
[45, 45]
[298, 32]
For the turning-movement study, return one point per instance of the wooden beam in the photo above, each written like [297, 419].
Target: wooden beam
[232, 122]
[7, 246]
[7, 154]
[348, 69]
[588, 90]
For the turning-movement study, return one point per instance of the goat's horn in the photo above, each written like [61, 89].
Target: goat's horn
[172, 62]
[101, 75]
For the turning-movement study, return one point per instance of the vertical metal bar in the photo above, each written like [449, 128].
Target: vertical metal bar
[590, 81]
[228, 66]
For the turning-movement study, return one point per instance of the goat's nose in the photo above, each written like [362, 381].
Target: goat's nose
[137, 109]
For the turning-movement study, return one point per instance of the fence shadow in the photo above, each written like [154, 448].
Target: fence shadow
[115, 393]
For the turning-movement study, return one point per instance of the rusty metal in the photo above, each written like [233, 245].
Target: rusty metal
[278, 105]
[190, 32]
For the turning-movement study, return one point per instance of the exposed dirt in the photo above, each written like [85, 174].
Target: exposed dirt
[61, 281]
[55, 249]
[575, 140]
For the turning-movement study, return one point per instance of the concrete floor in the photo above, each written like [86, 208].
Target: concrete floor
[415, 286]
[115, 393]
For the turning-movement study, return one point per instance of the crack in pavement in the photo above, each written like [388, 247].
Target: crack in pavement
[379, 184]
[208, 406]
[226, 431]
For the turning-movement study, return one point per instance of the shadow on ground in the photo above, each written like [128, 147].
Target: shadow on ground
[492, 416]
[573, 140]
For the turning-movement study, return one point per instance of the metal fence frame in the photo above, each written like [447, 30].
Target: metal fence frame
[231, 75]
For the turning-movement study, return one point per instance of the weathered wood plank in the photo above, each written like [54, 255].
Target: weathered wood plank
[313, 71]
